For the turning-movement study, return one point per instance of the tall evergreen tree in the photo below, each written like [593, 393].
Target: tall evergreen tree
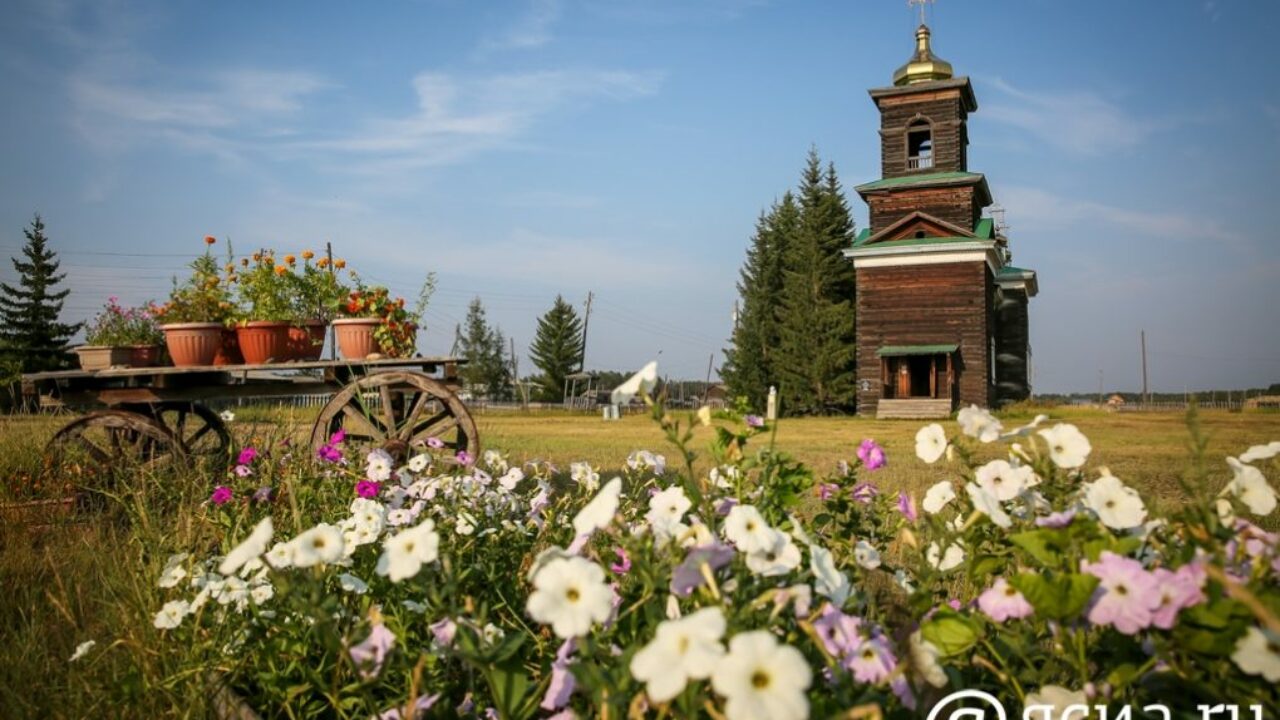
[486, 372]
[748, 369]
[816, 355]
[29, 329]
[557, 349]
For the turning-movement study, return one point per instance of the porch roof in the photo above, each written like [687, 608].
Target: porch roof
[900, 350]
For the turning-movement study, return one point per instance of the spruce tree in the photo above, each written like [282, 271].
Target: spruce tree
[748, 369]
[29, 329]
[815, 358]
[486, 372]
[556, 349]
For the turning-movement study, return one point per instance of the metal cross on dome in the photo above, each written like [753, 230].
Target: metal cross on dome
[922, 4]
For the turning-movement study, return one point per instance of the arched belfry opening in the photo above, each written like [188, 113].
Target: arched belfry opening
[919, 145]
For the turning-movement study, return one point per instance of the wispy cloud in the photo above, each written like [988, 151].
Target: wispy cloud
[1037, 210]
[458, 116]
[532, 30]
[1078, 122]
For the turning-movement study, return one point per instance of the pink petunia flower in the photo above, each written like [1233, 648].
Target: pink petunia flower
[1179, 590]
[1003, 601]
[221, 495]
[464, 458]
[338, 437]
[865, 493]
[1056, 520]
[624, 562]
[329, 453]
[562, 681]
[871, 661]
[839, 632]
[443, 632]
[367, 489]
[1127, 596]
[755, 421]
[247, 455]
[871, 455]
[907, 506]
[826, 491]
[435, 443]
[243, 471]
[370, 654]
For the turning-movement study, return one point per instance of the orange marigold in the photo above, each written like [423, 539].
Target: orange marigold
[209, 239]
[339, 263]
[307, 254]
[280, 269]
[322, 262]
[289, 259]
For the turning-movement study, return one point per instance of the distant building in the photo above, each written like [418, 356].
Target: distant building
[941, 310]
[1262, 402]
[717, 396]
[1115, 401]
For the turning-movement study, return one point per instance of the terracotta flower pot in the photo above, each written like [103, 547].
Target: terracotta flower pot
[355, 337]
[144, 355]
[101, 357]
[192, 343]
[229, 350]
[263, 341]
[307, 342]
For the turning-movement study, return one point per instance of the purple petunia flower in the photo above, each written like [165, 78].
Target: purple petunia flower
[865, 493]
[464, 458]
[420, 707]
[247, 455]
[688, 576]
[221, 495]
[562, 681]
[907, 506]
[262, 494]
[826, 491]
[435, 443]
[329, 453]
[871, 661]
[367, 489]
[443, 632]
[1056, 520]
[1127, 596]
[624, 562]
[755, 421]
[839, 632]
[338, 437]
[370, 654]
[871, 455]
[1003, 601]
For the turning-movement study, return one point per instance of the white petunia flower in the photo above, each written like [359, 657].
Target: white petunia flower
[227, 416]
[987, 504]
[465, 524]
[1251, 488]
[171, 615]
[1068, 447]
[492, 634]
[280, 555]
[511, 479]
[569, 595]
[399, 516]
[252, 547]
[682, 650]
[642, 383]
[828, 580]
[1058, 699]
[1261, 452]
[762, 680]
[378, 465]
[585, 475]
[978, 423]
[1003, 480]
[1258, 653]
[173, 572]
[321, 544]
[924, 660]
[780, 558]
[667, 508]
[352, 584]
[938, 496]
[931, 443]
[949, 560]
[262, 593]
[404, 554]
[419, 462]
[1118, 506]
[599, 512]
[866, 555]
[747, 530]
[82, 649]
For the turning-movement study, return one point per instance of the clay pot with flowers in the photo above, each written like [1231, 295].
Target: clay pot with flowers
[373, 322]
[316, 292]
[195, 316]
[264, 289]
[120, 336]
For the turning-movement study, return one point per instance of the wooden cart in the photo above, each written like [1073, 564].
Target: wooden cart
[159, 414]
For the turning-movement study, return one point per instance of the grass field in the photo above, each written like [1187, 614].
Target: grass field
[93, 577]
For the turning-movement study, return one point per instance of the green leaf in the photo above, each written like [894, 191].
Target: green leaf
[951, 632]
[1046, 545]
[509, 685]
[1056, 596]
[985, 566]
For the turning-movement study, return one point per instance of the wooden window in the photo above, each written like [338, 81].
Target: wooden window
[919, 145]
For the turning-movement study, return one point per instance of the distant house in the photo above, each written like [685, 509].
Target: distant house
[717, 396]
[1115, 401]
[1269, 402]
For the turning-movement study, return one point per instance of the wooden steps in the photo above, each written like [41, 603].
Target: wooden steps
[914, 409]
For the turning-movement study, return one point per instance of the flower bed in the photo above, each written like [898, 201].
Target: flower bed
[455, 587]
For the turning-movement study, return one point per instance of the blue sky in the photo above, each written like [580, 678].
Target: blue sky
[524, 149]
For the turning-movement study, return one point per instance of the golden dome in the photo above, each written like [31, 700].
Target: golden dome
[923, 66]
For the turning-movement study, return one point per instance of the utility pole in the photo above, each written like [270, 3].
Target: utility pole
[710, 359]
[515, 376]
[586, 321]
[1146, 398]
[1099, 386]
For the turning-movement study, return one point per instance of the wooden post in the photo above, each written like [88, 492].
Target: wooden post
[933, 376]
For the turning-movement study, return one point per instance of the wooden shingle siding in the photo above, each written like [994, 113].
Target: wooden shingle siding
[925, 305]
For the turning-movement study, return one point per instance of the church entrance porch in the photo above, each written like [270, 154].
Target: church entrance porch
[918, 381]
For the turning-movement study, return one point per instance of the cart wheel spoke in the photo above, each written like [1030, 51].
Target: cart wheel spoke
[359, 424]
[107, 441]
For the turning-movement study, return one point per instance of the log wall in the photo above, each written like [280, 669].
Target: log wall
[946, 114]
[1012, 344]
[956, 205]
[926, 305]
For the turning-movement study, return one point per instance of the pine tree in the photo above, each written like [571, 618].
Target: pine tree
[486, 372]
[748, 369]
[815, 358]
[556, 349]
[29, 329]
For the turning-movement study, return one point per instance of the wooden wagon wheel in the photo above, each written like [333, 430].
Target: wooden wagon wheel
[411, 408]
[106, 440]
[199, 431]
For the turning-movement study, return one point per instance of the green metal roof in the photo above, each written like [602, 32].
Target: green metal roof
[900, 350]
[1011, 270]
[908, 242]
[925, 179]
[984, 229]
[863, 234]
